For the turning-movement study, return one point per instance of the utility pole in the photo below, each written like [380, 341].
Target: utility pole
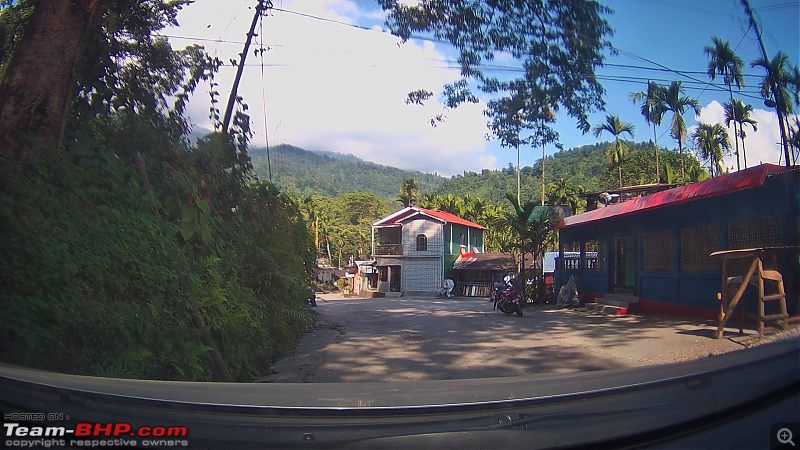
[226, 121]
[773, 88]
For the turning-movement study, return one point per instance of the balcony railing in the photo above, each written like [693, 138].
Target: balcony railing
[388, 249]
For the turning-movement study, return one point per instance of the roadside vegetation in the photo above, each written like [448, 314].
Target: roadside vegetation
[116, 243]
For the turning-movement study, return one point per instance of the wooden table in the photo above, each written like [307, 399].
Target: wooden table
[757, 274]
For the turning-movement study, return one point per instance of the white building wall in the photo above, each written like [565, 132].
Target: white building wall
[422, 274]
[430, 228]
[422, 270]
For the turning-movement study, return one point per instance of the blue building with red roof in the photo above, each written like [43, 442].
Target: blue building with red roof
[657, 248]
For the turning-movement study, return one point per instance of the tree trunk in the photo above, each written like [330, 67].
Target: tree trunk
[205, 335]
[542, 174]
[683, 171]
[655, 141]
[620, 173]
[521, 281]
[38, 85]
[744, 153]
[735, 139]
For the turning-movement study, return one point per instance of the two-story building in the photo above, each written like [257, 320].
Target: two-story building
[415, 248]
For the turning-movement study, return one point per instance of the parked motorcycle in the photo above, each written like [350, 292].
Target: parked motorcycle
[506, 298]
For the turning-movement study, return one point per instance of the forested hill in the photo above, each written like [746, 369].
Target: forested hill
[329, 174]
[585, 166]
[581, 166]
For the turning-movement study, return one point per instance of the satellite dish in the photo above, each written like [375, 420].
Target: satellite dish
[770, 103]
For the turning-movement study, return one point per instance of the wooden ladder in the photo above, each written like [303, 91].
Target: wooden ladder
[783, 317]
[757, 271]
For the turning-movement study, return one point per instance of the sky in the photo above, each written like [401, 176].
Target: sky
[335, 79]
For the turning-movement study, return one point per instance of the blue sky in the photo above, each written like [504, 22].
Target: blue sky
[335, 87]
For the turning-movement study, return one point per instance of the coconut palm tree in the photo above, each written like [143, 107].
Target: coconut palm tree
[617, 151]
[725, 62]
[652, 111]
[781, 86]
[712, 141]
[676, 102]
[739, 113]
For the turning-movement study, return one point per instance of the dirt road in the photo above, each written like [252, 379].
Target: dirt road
[405, 339]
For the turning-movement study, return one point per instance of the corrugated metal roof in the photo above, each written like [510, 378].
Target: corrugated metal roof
[743, 179]
[406, 213]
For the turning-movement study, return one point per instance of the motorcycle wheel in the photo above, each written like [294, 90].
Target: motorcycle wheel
[519, 310]
[503, 308]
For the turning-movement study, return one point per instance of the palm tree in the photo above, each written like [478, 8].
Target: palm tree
[794, 135]
[739, 113]
[777, 85]
[520, 223]
[713, 142]
[618, 151]
[675, 101]
[408, 192]
[725, 62]
[562, 192]
[652, 111]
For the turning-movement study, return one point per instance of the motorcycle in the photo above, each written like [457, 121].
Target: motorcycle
[506, 298]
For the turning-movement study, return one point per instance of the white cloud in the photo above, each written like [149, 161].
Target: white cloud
[488, 162]
[760, 147]
[332, 87]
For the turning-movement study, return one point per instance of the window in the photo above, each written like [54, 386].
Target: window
[594, 256]
[462, 239]
[696, 245]
[659, 251]
[571, 259]
[383, 273]
[755, 233]
[474, 242]
[422, 243]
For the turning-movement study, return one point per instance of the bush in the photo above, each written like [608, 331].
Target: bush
[94, 243]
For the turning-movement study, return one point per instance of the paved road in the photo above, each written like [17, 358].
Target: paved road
[405, 339]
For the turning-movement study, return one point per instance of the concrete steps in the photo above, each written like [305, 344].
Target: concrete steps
[611, 304]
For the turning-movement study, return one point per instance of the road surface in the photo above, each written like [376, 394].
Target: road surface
[409, 339]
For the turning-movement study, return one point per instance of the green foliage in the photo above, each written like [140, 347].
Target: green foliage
[345, 223]
[640, 167]
[713, 144]
[92, 254]
[408, 192]
[13, 18]
[563, 192]
[558, 43]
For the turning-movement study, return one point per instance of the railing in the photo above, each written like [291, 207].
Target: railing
[388, 249]
[572, 261]
[474, 289]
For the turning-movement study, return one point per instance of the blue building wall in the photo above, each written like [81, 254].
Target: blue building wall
[693, 289]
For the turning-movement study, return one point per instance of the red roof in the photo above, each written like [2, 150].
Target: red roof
[743, 179]
[406, 213]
